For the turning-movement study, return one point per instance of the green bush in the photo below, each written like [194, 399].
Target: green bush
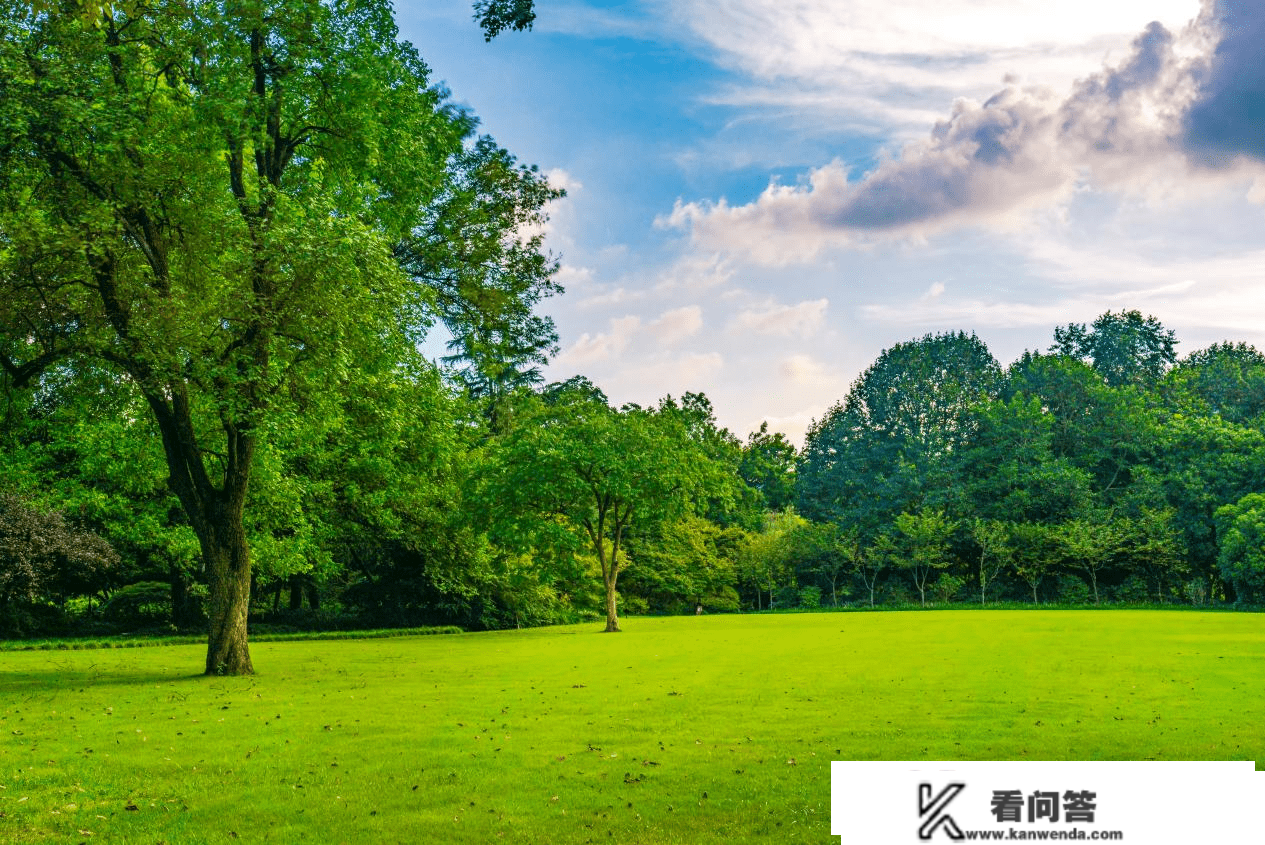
[810, 597]
[947, 587]
[726, 601]
[633, 605]
[1073, 590]
[786, 596]
[143, 604]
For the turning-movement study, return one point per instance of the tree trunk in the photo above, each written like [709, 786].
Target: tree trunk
[983, 581]
[296, 592]
[227, 558]
[612, 621]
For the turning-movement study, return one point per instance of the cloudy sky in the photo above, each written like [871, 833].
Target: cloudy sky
[765, 194]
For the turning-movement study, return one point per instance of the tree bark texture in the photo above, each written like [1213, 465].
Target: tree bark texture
[228, 569]
[612, 621]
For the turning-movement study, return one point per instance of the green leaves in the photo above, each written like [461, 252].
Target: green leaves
[496, 16]
[575, 474]
[1241, 536]
[885, 446]
[1125, 348]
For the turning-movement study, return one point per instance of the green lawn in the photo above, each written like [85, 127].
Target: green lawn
[692, 730]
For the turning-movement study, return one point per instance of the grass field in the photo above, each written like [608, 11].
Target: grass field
[683, 730]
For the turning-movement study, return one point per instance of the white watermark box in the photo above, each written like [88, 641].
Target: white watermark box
[1141, 803]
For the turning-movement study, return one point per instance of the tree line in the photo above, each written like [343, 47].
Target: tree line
[1103, 467]
[225, 229]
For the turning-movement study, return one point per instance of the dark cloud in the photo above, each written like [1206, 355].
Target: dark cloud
[977, 159]
[1107, 113]
[1021, 145]
[1199, 97]
[1227, 119]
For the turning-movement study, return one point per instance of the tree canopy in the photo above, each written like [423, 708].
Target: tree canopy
[209, 201]
[576, 476]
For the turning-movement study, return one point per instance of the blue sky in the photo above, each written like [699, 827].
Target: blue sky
[763, 194]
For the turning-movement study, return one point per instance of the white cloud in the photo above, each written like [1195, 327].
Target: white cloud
[693, 273]
[609, 295]
[794, 425]
[799, 320]
[584, 291]
[802, 369]
[1145, 119]
[571, 276]
[908, 55]
[673, 326]
[557, 177]
[586, 21]
[655, 376]
[593, 348]
[668, 329]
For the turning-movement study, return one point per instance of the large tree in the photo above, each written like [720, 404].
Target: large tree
[1106, 431]
[768, 465]
[208, 197]
[1228, 379]
[887, 445]
[1124, 348]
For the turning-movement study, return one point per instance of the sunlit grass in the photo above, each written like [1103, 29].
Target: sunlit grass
[690, 730]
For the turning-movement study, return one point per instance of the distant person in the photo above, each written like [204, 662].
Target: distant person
[698, 610]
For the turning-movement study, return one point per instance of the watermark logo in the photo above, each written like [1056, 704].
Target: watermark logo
[907, 802]
[931, 809]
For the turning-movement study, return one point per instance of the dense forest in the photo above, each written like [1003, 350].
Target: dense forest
[1101, 470]
[214, 285]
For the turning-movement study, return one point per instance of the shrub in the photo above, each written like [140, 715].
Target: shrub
[810, 597]
[143, 604]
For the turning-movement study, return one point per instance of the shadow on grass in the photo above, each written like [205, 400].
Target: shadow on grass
[55, 678]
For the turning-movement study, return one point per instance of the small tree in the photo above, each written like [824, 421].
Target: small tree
[1032, 556]
[577, 474]
[688, 560]
[766, 560]
[870, 563]
[41, 556]
[1088, 545]
[993, 541]
[1155, 549]
[924, 542]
